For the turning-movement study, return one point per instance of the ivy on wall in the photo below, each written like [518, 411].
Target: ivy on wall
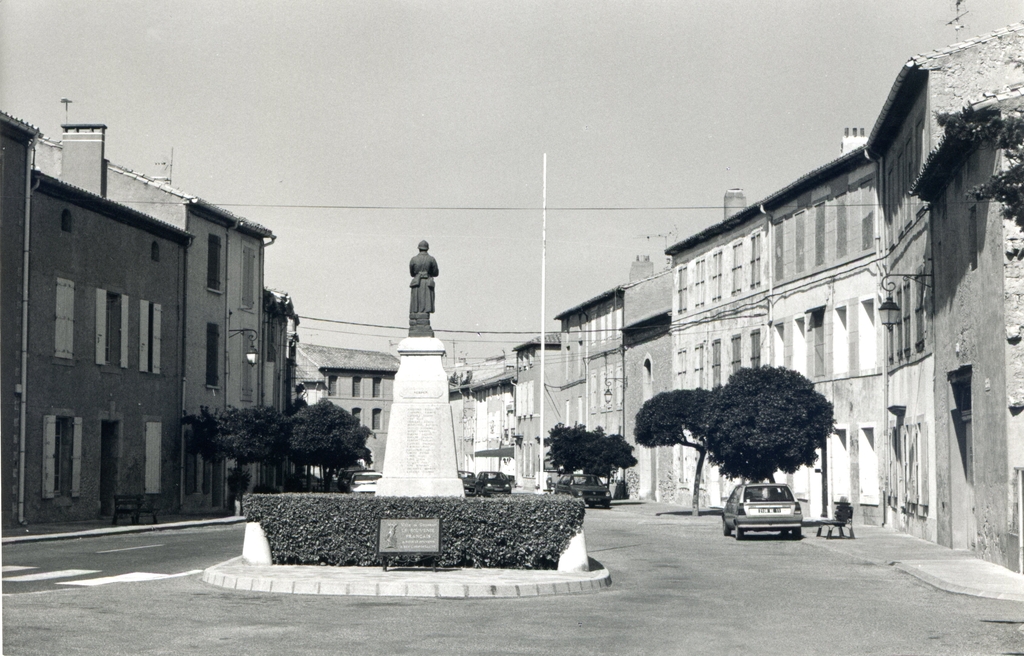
[971, 128]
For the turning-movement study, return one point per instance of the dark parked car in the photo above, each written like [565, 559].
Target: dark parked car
[585, 486]
[468, 482]
[491, 482]
[762, 507]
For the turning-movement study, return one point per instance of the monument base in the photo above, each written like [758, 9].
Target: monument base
[420, 459]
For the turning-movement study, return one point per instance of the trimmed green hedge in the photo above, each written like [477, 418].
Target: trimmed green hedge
[512, 532]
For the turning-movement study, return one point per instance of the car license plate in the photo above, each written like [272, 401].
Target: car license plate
[769, 511]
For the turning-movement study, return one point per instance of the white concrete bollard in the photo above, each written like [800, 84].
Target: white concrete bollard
[574, 558]
[256, 549]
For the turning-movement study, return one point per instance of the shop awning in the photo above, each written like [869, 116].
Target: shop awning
[503, 452]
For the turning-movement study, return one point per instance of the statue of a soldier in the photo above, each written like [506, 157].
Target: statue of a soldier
[423, 269]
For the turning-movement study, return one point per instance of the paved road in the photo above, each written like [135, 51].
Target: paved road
[679, 587]
[42, 566]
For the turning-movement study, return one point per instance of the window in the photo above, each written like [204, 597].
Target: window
[154, 444]
[819, 235]
[681, 367]
[840, 342]
[246, 371]
[150, 318]
[839, 468]
[67, 222]
[376, 388]
[698, 284]
[716, 276]
[332, 386]
[594, 392]
[716, 363]
[867, 231]
[867, 460]
[905, 304]
[62, 456]
[111, 324]
[375, 419]
[866, 344]
[248, 276]
[755, 348]
[818, 332]
[682, 280]
[357, 387]
[357, 414]
[698, 365]
[154, 252]
[972, 236]
[213, 263]
[841, 226]
[779, 261]
[779, 344]
[64, 326]
[737, 352]
[755, 260]
[799, 362]
[800, 233]
[212, 354]
[919, 314]
[737, 268]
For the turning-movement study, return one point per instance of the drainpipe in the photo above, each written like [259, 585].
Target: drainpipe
[23, 403]
[770, 242]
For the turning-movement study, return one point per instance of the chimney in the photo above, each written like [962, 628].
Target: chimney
[83, 162]
[734, 201]
[852, 140]
[642, 268]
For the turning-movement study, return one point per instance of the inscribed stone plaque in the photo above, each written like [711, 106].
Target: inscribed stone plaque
[409, 536]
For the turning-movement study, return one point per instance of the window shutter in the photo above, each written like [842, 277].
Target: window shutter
[49, 446]
[922, 455]
[143, 335]
[101, 326]
[157, 314]
[153, 439]
[76, 458]
[64, 325]
[124, 331]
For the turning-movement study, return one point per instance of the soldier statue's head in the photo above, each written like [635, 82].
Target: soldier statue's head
[424, 245]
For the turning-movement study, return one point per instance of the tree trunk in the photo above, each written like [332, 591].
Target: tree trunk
[696, 481]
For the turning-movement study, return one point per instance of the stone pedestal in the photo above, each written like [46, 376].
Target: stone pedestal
[420, 459]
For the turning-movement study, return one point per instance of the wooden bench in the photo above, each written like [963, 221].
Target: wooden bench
[134, 505]
[843, 520]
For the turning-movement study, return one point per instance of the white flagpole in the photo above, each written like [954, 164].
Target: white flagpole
[543, 337]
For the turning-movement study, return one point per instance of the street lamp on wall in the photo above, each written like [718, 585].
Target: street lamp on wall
[252, 356]
[889, 312]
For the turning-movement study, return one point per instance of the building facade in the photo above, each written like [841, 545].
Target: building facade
[532, 390]
[361, 382]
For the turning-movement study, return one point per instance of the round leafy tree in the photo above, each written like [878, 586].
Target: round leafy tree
[677, 417]
[767, 419]
[328, 437]
[254, 434]
[575, 448]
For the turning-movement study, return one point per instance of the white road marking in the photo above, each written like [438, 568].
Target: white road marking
[59, 574]
[131, 577]
[15, 568]
[147, 546]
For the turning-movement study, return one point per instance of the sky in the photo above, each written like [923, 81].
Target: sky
[355, 128]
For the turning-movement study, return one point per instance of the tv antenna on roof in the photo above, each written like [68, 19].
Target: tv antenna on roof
[957, 25]
[66, 101]
[168, 168]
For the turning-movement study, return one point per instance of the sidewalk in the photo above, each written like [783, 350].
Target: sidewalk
[946, 569]
[100, 527]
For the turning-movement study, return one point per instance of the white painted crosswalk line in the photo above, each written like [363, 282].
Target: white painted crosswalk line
[43, 576]
[15, 568]
[128, 578]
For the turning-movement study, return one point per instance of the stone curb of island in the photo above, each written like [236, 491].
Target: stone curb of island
[253, 572]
